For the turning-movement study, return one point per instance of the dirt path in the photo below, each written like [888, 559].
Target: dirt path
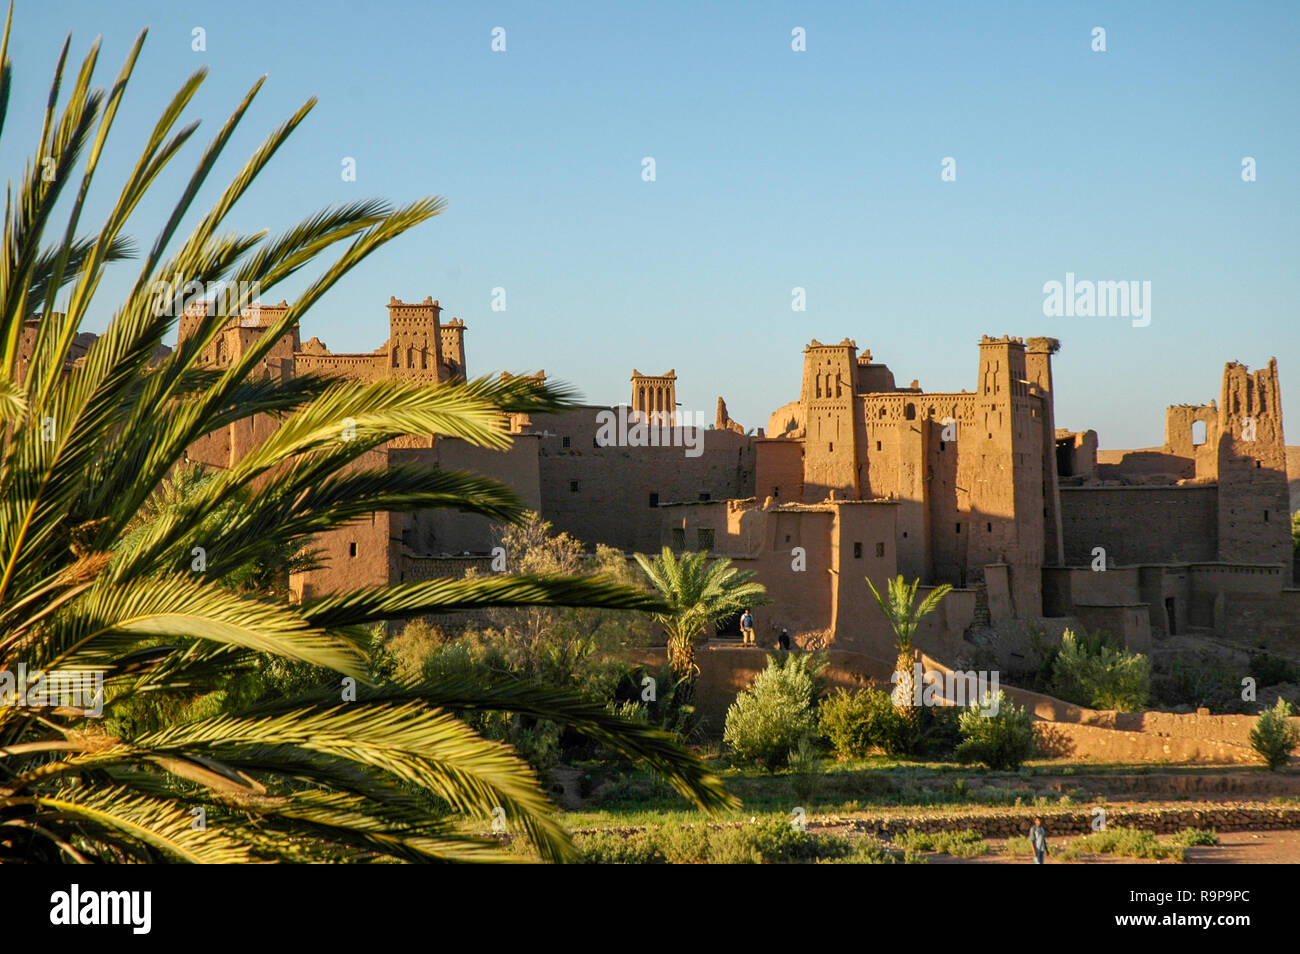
[1234, 848]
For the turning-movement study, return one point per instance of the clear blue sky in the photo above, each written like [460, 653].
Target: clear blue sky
[775, 169]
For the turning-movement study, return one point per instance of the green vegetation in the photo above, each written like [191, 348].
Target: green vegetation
[1274, 737]
[1090, 672]
[766, 841]
[106, 566]
[1191, 837]
[1125, 842]
[856, 722]
[698, 593]
[900, 608]
[966, 843]
[775, 714]
[860, 721]
[1001, 739]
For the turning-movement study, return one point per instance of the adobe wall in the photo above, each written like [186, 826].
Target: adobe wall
[430, 532]
[1140, 524]
[611, 503]
[1293, 476]
[354, 367]
[1144, 465]
[1267, 622]
[411, 568]
[361, 553]
[778, 469]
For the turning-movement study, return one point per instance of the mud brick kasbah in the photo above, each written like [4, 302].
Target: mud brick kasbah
[859, 477]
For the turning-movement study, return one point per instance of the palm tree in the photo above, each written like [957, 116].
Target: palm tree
[698, 593]
[904, 617]
[386, 773]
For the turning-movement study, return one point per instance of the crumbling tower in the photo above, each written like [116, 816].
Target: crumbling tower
[1254, 499]
[1038, 371]
[453, 348]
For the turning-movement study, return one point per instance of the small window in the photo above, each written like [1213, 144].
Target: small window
[877, 445]
[679, 538]
[990, 526]
[654, 500]
[573, 486]
[1198, 433]
[830, 447]
[776, 491]
[704, 498]
[910, 412]
[943, 446]
[352, 549]
[704, 538]
[787, 538]
[904, 534]
[1266, 516]
[959, 528]
[567, 442]
[880, 549]
[857, 551]
[1257, 464]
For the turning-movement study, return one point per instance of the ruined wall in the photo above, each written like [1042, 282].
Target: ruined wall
[1038, 370]
[1254, 498]
[1183, 441]
[1140, 524]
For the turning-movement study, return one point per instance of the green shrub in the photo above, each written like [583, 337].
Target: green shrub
[1019, 846]
[1269, 670]
[805, 769]
[1090, 672]
[869, 851]
[771, 840]
[1200, 681]
[966, 843]
[770, 718]
[858, 721]
[1273, 737]
[1128, 843]
[1190, 837]
[1002, 740]
[610, 848]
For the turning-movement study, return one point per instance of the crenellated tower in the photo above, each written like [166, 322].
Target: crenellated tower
[1001, 465]
[654, 396]
[415, 340]
[831, 421]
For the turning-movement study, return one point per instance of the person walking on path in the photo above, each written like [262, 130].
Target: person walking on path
[1038, 840]
[747, 629]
